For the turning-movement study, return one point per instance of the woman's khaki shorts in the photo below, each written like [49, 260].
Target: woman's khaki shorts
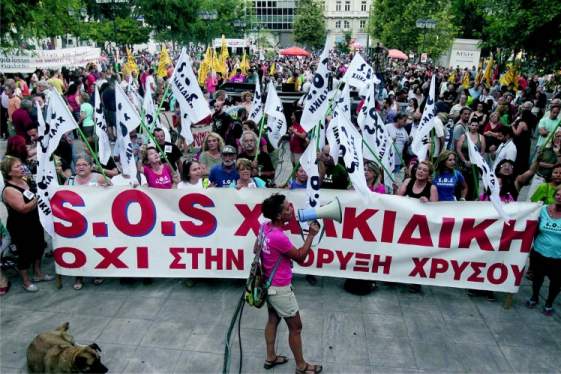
[283, 301]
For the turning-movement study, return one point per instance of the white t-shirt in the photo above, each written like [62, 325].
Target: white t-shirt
[189, 186]
[400, 138]
[151, 83]
[120, 180]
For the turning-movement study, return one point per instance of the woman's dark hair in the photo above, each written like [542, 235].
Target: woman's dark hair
[556, 166]
[185, 175]
[272, 206]
[508, 185]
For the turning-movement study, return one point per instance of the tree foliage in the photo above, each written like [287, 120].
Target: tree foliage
[309, 24]
[393, 22]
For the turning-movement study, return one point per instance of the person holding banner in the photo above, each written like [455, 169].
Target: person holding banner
[23, 223]
[157, 174]
[449, 182]
[84, 175]
[244, 168]
[281, 301]
[546, 256]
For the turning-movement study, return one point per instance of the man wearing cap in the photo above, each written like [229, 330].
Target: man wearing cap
[223, 174]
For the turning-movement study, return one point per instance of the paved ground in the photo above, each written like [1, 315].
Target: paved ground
[168, 328]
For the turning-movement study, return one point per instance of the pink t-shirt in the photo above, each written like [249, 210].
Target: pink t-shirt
[276, 244]
[379, 189]
[163, 180]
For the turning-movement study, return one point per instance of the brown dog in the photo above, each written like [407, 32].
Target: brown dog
[56, 352]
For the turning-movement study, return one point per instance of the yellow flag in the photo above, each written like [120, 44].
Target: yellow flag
[164, 62]
[272, 69]
[465, 79]
[479, 75]
[244, 65]
[130, 66]
[488, 72]
[223, 57]
[452, 77]
[510, 77]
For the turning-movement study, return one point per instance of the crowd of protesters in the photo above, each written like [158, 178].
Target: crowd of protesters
[515, 130]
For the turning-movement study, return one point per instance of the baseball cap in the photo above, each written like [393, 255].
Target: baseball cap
[229, 150]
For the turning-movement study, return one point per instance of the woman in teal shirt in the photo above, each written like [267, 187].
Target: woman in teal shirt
[546, 257]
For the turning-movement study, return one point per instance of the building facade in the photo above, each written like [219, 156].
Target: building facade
[343, 16]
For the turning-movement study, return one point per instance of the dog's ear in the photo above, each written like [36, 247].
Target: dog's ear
[95, 347]
[64, 327]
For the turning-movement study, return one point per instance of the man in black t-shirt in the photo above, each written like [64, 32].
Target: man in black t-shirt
[173, 154]
[333, 176]
[221, 120]
[264, 168]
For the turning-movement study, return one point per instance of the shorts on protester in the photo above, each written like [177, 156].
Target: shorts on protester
[283, 301]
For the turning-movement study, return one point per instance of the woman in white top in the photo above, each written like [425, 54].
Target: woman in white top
[85, 177]
[192, 177]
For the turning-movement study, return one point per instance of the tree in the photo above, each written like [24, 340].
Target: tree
[25, 20]
[393, 22]
[530, 26]
[309, 24]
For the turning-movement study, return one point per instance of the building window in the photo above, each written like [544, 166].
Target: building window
[363, 6]
[347, 25]
[362, 24]
[338, 6]
[337, 24]
[347, 6]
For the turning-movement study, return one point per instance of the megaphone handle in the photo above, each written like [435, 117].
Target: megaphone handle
[320, 234]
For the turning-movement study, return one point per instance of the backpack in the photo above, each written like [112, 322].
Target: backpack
[256, 285]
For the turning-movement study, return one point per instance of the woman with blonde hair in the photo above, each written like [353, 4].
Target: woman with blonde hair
[244, 168]
[211, 153]
[247, 99]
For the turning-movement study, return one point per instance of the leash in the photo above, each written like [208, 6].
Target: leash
[236, 317]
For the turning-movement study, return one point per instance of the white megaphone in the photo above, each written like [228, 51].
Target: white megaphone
[331, 210]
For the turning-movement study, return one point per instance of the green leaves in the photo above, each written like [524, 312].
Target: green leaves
[309, 24]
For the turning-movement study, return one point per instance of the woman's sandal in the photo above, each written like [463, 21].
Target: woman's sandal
[279, 360]
[310, 369]
[78, 286]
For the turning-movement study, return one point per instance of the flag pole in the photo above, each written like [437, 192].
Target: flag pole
[94, 155]
[378, 160]
[258, 145]
[143, 125]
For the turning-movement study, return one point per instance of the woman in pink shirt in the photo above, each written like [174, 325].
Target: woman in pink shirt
[157, 175]
[277, 251]
[210, 83]
[373, 177]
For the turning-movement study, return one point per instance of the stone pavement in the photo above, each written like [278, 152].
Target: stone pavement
[166, 327]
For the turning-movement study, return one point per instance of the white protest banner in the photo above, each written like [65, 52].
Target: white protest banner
[308, 161]
[419, 145]
[186, 90]
[104, 146]
[46, 175]
[59, 121]
[256, 112]
[276, 121]
[186, 127]
[29, 61]
[199, 134]
[316, 101]
[343, 104]
[350, 148]
[488, 177]
[359, 74]
[142, 232]
[128, 120]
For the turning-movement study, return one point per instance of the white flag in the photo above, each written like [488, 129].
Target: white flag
[186, 128]
[151, 117]
[332, 135]
[388, 164]
[488, 177]
[316, 101]
[350, 147]
[46, 176]
[128, 120]
[343, 104]
[186, 90]
[419, 145]
[104, 146]
[359, 74]
[59, 121]
[257, 104]
[276, 121]
[308, 163]
[127, 117]
[374, 133]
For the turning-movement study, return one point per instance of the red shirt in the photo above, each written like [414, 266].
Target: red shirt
[297, 144]
[21, 120]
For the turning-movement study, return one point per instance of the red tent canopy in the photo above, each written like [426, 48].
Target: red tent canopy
[396, 53]
[294, 51]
